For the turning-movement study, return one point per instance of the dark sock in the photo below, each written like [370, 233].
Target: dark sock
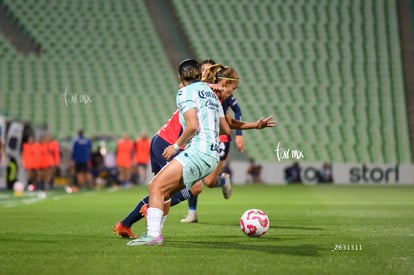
[180, 196]
[135, 215]
[192, 203]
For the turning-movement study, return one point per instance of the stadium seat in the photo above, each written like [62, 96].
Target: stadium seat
[320, 63]
[87, 46]
[329, 71]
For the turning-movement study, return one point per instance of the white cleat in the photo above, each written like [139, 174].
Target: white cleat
[227, 190]
[147, 240]
[191, 217]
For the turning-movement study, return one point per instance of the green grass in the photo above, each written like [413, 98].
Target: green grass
[72, 234]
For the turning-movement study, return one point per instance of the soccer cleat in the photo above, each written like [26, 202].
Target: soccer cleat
[191, 217]
[227, 190]
[146, 240]
[124, 231]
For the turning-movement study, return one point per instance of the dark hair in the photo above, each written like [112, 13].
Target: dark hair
[208, 61]
[189, 70]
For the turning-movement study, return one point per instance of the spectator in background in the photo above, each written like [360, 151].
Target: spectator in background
[45, 163]
[30, 159]
[325, 174]
[98, 169]
[81, 155]
[254, 172]
[123, 158]
[292, 173]
[54, 152]
[142, 157]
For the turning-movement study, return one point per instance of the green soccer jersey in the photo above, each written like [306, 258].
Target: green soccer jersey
[209, 110]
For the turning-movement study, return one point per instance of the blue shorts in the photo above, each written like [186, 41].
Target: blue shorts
[158, 145]
[196, 165]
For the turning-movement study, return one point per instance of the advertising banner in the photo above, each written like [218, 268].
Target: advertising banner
[274, 173]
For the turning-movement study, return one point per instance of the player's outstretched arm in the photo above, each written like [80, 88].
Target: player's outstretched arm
[260, 124]
[265, 122]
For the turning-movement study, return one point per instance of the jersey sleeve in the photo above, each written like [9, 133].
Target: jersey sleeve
[235, 108]
[237, 112]
[185, 101]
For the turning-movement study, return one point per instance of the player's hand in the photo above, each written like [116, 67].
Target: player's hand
[169, 152]
[240, 144]
[265, 122]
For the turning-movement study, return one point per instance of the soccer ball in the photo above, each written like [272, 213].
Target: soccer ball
[254, 223]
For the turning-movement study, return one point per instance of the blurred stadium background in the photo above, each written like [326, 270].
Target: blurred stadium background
[337, 75]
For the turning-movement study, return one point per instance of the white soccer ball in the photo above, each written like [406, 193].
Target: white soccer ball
[254, 223]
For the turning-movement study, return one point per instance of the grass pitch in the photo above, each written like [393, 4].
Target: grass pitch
[353, 229]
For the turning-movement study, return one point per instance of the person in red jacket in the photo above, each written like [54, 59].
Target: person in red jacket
[45, 162]
[30, 159]
[142, 157]
[123, 157]
[54, 158]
